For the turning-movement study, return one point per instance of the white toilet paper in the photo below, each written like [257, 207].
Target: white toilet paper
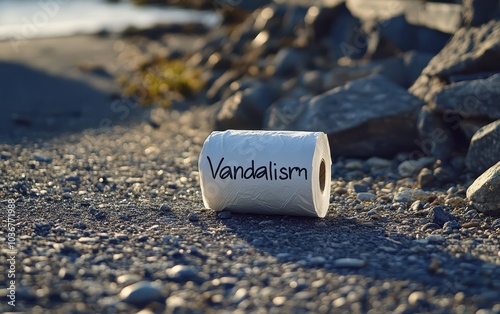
[266, 172]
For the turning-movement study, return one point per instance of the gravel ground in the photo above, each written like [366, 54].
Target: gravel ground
[103, 209]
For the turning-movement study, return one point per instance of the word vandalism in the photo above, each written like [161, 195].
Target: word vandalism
[269, 172]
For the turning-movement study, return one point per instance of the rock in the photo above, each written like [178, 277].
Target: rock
[471, 50]
[425, 178]
[435, 239]
[443, 17]
[411, 196]
[182, 274]
[42, 158]
[42, 228]
[406, 36]
[445, 174]
[484, 149]
[470, 99]
[439, 216]
[452, 224]
[366, 197]
[319, 19]
[366, 117]
[225, 214]
[414, 63]
[434, 136]
[417, 205]
[342, 38]
[430, 226]
[165, 208]
[141, 294]
[313, 80]
[289, 61]
[66, 195]
[245, 109]
[485, 191]
[349, 263]
[193, 217]
[477, 12]
[378, 163]
[5, 155]
[410, 167]
[417, 298]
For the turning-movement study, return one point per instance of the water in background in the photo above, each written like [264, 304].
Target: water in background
[28, 19]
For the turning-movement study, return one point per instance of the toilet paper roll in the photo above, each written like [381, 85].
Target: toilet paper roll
[266, 172]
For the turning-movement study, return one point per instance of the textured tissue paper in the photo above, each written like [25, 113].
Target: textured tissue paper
[266, 172]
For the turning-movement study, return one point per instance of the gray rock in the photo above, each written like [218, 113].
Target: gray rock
[342, 37]
[484, 149]
[485, 191]
[182, 273]
[165, 208]
[439, 216]
[470, 99]
[378, 163]
[141, 294]
[349, 263]
[415, 62]
[445, 174]
[435, 239]
[435, 138]
[408, 37]
[245, 109]
[452, 224]
[193, 217]
[430, 226]
[42, 158]
[425, 178]
[471, 50]
[289, 61]
[410, 167]
[366, 117]
[477, 12]
[225, 214]
[366, 196]
[5, 155]
[417, 298]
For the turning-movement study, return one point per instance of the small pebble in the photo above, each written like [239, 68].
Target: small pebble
[417, 298]
[141, 294]
[42, 158]
[366, 196]
[182, 273]
[349, 263]
[435, 239]
[165, 208]
[193, 217]
[225, 214]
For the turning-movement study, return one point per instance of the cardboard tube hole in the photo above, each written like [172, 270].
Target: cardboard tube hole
[322, 175]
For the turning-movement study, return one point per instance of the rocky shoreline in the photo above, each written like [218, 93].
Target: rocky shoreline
[111, 219]
[378, 85]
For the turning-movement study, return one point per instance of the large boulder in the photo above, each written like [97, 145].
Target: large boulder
[485, 191]
[461, 88]
[366, 117]
[408, 37]
[470, 99]
[471, 50]
[484, 149]
[245, 109]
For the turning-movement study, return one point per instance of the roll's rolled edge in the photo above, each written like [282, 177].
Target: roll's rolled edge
[318, 187]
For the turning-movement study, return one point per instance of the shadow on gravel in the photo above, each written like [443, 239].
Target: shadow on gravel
[318, 243]
[34, 103]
